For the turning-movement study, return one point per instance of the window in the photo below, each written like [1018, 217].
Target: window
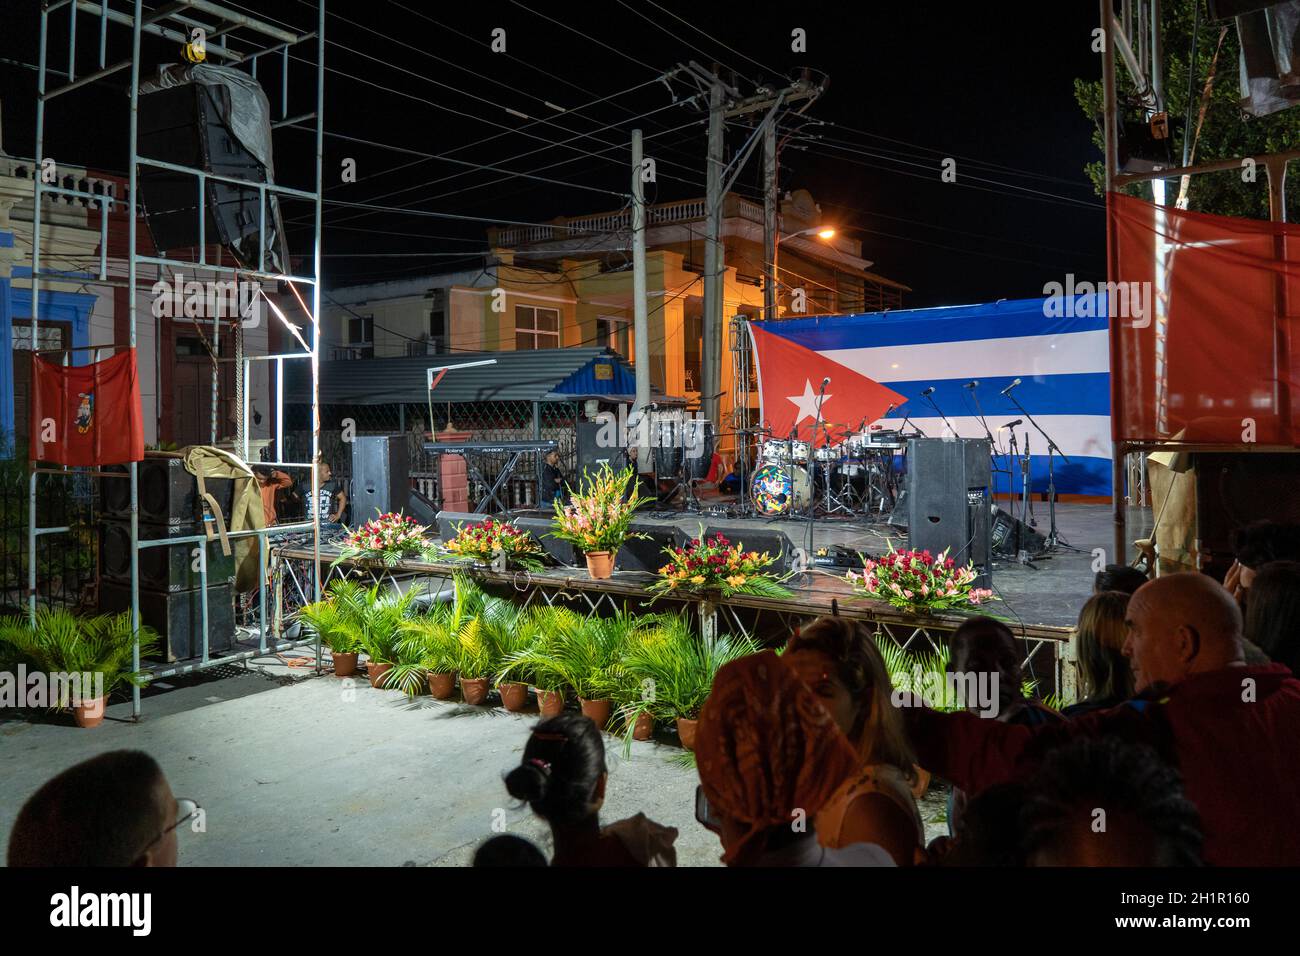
[361, 330]
[536, 328]
[437, 331]
[616, 333]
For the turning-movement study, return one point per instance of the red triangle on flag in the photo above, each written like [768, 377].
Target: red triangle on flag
[790, 385]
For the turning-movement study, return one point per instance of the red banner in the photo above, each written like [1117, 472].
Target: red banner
[791, 394]
[1205, 316]
[87, 414]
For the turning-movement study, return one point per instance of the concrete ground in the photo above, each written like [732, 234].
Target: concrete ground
[298, 770]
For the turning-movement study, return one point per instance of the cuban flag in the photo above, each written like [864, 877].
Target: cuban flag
[1058, 347]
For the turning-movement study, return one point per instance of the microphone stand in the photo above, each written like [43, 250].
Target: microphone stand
[1053, 536]
[902, 429]
[812, 454]
[933, 404]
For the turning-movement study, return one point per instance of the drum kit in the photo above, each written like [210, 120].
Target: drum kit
[855, 476]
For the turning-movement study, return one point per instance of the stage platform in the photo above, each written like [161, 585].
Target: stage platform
[1041, 600]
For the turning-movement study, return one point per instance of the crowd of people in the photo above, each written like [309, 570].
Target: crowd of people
[1180, 751]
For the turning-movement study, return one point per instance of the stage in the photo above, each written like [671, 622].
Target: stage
[1040, 602]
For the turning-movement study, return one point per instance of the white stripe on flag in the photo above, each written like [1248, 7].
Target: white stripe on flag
[1025, 356]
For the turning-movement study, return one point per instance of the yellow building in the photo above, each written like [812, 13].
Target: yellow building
[569, 283]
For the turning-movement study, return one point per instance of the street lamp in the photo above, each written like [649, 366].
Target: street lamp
[769, 298]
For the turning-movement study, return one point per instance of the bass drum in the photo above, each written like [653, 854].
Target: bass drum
[780, 489]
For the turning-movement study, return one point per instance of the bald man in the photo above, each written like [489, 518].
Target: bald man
[1229, 728]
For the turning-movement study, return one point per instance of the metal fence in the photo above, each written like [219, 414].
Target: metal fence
[67, 563]
[484, 421]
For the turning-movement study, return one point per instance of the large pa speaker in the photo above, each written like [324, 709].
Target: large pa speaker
[540, 528]
[590, 453]
[1237, 489]
[178, 617]
[183, 125]
[164, 567]
[381, 480]
[775, 542]
[448, 520]
[949, 499]
[647, 554]
[168, 496]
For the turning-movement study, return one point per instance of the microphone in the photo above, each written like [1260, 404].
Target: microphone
[826, 381]
[1011, 386]
[928, 391]
[1018, 421]
[972, 383]
[891, 407]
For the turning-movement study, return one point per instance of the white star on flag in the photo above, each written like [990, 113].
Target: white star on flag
[807, 402]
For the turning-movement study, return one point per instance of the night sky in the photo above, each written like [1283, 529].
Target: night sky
[910, 84]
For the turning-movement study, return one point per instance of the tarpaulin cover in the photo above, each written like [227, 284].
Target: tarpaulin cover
[87, 414]
[1215, 361]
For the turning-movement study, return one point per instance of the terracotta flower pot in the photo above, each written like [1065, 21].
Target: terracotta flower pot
[442, 686]
[550, 702]
[345, 665]
[514, 695]
[644, 728]
[375, 671]
[600, 564]
[686, 731]
[474, 689]
[90, 713]
[597, 710]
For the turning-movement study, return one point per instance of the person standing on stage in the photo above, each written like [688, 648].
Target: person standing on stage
[553, 482]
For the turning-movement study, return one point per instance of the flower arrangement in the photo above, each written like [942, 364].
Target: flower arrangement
[498, 543]
[918, 580]
[715, 564]
[598, 518]
[387, 538]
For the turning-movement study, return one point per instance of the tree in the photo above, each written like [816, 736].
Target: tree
[1227, 132]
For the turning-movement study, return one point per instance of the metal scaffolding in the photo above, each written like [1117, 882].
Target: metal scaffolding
[220, 30]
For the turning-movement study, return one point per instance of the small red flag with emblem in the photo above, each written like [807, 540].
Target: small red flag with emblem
[791, 395]
[86, 414]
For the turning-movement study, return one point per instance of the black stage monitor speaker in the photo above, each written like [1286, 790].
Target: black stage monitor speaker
[182, 125]
[422, 509]
[381, 481]
[647, 554]
[178, 617]
[162, 568]
[168, 495]
[449, 520]
[1011, 536]
[540, 528]
[949, 499]
[774, 542]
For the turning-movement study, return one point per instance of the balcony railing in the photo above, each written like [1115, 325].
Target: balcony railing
[660, 214]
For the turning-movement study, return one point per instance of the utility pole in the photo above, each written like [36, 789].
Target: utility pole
[725, 102]
[640, 321]
[771, 212]
[714, 261]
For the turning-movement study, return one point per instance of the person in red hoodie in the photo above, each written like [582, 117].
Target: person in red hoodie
[1230, 729]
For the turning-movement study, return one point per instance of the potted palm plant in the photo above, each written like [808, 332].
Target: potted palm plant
[537, 663]
[99, 650]
[590, 658]
[475, 658]
[598, 519]
[509, 631]
[381, 628]
[672, 669]
[336, 619]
